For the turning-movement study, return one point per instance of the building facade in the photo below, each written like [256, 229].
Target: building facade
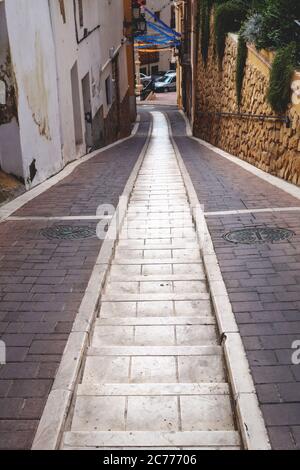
[186, 14]
[68, 76]
[162, 61]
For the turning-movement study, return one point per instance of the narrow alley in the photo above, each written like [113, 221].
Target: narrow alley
[150, 241]
[155, 364]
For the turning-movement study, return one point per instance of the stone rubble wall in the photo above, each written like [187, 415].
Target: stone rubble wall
[268, 145]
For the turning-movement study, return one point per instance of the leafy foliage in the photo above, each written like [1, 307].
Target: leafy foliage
[205, 14]
[252, 28]
[240, 68]
[268, 24]
[278, 27]
[279, 92]
[229, 17]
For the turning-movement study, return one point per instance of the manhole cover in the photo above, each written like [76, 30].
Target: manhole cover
[66, 232]
[255, 235]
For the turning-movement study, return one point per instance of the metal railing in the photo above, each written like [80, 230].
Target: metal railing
[258, 117]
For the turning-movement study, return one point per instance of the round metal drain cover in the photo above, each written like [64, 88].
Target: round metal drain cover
[67, 232]
[254, 235]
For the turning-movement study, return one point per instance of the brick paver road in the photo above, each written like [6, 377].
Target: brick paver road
[263, 280]
[42, 283]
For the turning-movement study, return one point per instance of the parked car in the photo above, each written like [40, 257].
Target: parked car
[145, 78]
[170, 72]
[166, 84]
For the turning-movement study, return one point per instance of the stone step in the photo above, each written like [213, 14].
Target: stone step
[154, 335]
[157, 269]
[158, 195]
[153, 413]
[153, 389]
[160, 199]
[152, 440]
[162, 252]
[116, 297]
[171, 244]
[156, 278]
[169, 216]
[156, 208]
[141, 261]
[162, 187]
[143, 321]
[159, 224]
[135, 233]
[155, 287]
[156, 351]
[154, 369]
[197, 308]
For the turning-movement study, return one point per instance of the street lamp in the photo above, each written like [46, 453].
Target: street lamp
[136, 11]
[141, 25]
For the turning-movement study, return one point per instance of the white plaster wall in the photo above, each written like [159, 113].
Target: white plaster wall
[92, 56]
[88, 57]
[34, 63]
[111, 36]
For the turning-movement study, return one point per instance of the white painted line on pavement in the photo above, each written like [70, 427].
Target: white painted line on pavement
[70, 218]
[251, 211]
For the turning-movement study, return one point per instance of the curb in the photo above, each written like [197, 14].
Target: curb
[8, 209]
[248, 413]
[53, 420]
[279, 183]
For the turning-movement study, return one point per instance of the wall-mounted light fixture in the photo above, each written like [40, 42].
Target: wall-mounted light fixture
[138, 25]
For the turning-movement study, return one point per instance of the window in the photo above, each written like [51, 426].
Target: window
[173, 17]
[154, 69]
[80, 8]
[157, 14]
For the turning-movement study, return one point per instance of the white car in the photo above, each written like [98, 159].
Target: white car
[166, 84]
[170, 72]
[145, 78]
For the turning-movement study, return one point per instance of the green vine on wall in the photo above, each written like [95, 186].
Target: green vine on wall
[205, 14]
[279, 92]
[253, 20]
[242, 55]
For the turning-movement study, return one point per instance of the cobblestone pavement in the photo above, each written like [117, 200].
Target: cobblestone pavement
[263, 280]
[42, 283]
[154, 375]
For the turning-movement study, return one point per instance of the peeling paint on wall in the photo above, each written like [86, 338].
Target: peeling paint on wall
[37, 93]
[8, 111]
[62, 9]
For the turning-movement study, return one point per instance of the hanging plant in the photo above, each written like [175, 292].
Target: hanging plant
[205, 14]
[242, 54]
[229, 17]
[279, 92]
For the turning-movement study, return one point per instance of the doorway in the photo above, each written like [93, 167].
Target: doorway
[86, 94]
[76, 105]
